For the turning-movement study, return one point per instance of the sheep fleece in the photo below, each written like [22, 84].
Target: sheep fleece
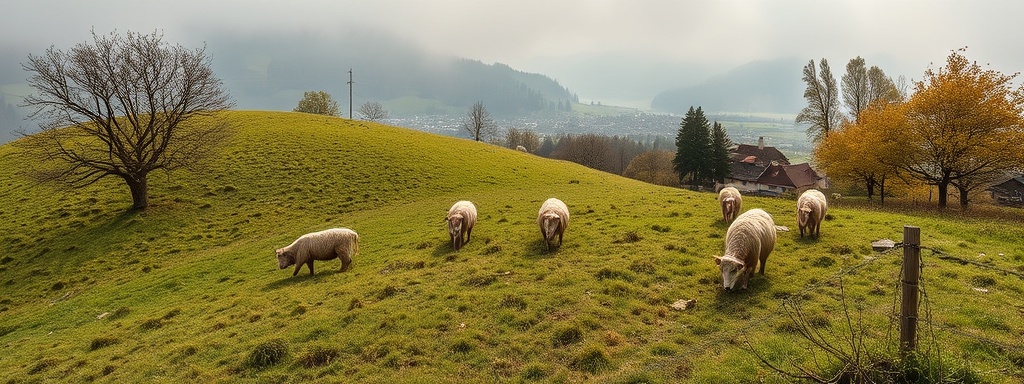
[748, 241]
[553, 219]
[328, 244]
[731, 202]
[810, 211]
[461, 219]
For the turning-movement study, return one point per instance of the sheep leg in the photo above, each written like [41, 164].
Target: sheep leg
[298, 267]
[310, 263]
[346, 260]
[469, 231]
[559, 239]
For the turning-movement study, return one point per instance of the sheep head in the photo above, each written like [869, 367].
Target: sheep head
[551, 224]
[285, 258]
[802, 215]
[729, 204]
[732, 271]
[455, 221]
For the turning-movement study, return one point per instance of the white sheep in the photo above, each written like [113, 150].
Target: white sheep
[810, 211]
[461, 219]
[553, 219]
[342, 243]
[749, 240]
[521, 148]
[731, 201]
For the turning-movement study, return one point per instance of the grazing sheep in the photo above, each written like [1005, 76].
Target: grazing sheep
[461, 219]
[340, 243]
[553, 218]
[837, 196]
[810, 211]
[731, 201]
[749, 240]
[521, 148]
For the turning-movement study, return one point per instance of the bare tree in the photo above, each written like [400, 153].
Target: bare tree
[526, 137]
[373, 111]
[822, 95]
[479, 123]
[654, 167]
[855, 87]
[317, 102]
[122, 106]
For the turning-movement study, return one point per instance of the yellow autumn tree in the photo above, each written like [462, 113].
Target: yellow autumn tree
[866, 152]
[964, 128]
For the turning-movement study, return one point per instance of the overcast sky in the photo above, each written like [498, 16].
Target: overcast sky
[902, 37]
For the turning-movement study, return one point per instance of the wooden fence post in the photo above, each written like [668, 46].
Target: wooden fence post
[911, 276]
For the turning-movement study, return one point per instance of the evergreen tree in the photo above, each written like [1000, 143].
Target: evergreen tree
[693, 148]
[720, 163]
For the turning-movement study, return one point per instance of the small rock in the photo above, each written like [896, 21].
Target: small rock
[683, 304]
[883, 245]
[1001, 254]
[102, 315]
[981, 254]
[982, 290]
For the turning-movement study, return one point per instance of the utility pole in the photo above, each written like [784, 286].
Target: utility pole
[350, 93]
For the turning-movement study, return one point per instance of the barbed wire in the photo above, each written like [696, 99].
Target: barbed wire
[948, 257]
[930, 341]
[781, 310]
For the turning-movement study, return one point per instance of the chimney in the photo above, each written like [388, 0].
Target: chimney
[760, 143]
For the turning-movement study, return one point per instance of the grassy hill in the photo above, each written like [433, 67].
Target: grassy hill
[188, 290]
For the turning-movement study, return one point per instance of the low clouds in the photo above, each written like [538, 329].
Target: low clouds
[902, 37]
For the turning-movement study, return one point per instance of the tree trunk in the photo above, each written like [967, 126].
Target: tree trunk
[871, 187]
[963, 197]
[881, 191]
[138, 186]
[943, 190]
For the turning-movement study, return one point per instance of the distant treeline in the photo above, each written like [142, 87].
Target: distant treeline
[612, 154]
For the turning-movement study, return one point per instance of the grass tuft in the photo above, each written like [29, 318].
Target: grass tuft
[317, 356]
[566, 336]
[628, 237]
[513, 302]
[101, 342]
[266, 354]
[592, 359]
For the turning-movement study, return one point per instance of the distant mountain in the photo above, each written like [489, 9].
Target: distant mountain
[271, 72]
[760, 86]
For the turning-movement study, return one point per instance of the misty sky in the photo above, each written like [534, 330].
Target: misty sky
[547, 36]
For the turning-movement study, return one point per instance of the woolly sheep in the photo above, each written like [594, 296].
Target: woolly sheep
[731, 201]
[461, 219]
[810, 211]
[748, 241]
[553, 218]
[342, 243]
[520, 148]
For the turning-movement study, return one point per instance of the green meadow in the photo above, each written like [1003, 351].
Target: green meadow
[189, 291]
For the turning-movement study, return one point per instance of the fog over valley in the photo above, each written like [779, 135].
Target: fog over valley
[521, 58]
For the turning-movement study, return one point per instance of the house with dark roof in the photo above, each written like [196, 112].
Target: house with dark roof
[1009, 192]
[763, 170]
[758, 154]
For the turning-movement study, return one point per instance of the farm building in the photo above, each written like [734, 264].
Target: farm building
[1009, 192]
[762, 170]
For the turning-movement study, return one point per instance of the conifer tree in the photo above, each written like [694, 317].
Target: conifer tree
[693, 148]
[720, 162]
